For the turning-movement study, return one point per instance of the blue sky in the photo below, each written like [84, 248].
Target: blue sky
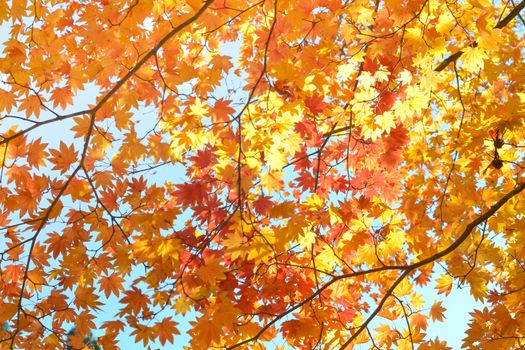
[458, 303]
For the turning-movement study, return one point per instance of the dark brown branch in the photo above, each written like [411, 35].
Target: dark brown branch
[448, 60]
[406, 271]
[239, 115]
[501, 24]
[80, 165]
[466, 233]
[319, 151]
[511, 15]
[40, 123]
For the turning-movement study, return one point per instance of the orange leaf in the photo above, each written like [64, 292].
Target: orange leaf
[63, 157]
[62, 97]
[212, 271]
[222, 111]
[166, 329]
[37, 153]
[111, 284]
[7, 311]
[31, 105]
[436, 312]
[418, 321]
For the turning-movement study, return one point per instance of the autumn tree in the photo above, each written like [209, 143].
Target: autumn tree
[288, 172]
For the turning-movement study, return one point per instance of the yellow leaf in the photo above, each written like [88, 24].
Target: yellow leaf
[444, 284]
[199, 108]
[307, 239]
[404, 288]
[385, 121]
[473, 58]
[272, 181]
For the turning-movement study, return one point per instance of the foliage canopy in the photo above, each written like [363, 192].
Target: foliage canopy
[337, 157]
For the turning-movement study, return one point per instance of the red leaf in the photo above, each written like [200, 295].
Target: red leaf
[316, 104]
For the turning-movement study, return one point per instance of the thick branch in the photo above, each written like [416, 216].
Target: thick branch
[448, 60]
[92, 112]
[120, 83]
[501, 24]
[35, 125]
[406, 271]
[466, 233]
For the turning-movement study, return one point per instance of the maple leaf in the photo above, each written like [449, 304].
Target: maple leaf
[199, 108]
[263, 204]
[85, 297]
[435, 344]
[166, 329]
[81, 126]
[57, 243]
[280, 170]
[189, 193]
[473, 58]
[37, 153]
[315, 104]
[62, 97]
[136, 300]
[115, 326]
[143, 334]
[436, 312]
[76, 341]
[222, 111]
[63, 157]
[272, 181]
[212, 271]
[299, 329]
[31, 105]
[111, 285]
[7, 99]
[418, 321]
[204, 333]
[444, 284]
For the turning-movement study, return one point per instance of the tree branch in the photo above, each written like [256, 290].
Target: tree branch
[466, 233]
[501, 24]
[406, 271]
